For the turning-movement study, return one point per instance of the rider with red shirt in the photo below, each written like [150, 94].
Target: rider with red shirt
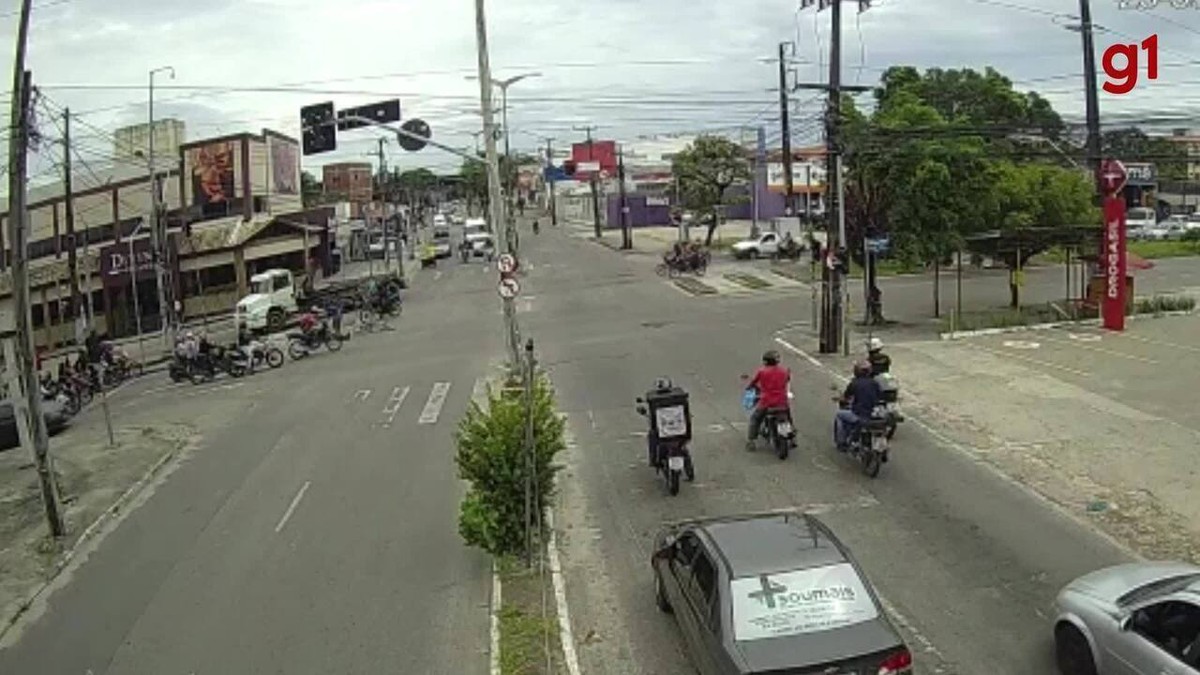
[308, 321]
[771, 382]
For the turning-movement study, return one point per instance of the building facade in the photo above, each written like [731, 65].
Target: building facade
[349, 182]
[231, 206]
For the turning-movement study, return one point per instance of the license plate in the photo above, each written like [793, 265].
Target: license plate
[676, 463]
[785, 428]
[879, 443]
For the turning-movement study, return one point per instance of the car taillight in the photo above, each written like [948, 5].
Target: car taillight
[896, 663]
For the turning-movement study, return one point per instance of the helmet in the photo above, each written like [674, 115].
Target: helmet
[862, 368]
[874, 344]
[771, 357]
[663, 384]
[315, 309]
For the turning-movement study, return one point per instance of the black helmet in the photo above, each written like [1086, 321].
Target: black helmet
[663, 384]
[771, 357]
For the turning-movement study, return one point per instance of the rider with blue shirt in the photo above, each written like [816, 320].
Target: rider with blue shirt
[862, 394]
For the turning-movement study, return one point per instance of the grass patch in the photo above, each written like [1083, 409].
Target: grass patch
[1060, 311]
[526, 633]
[1164, 249]
[748, 280]
[888, 268]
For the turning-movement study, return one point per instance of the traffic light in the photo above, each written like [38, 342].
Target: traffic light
[318, 128]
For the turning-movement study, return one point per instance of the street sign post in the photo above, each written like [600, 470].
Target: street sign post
[382, 113]
[508, 288]
[506, 263]
[416, 130]
[1113, 261]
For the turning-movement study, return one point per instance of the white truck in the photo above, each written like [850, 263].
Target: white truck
[275, 296]
[766, 245]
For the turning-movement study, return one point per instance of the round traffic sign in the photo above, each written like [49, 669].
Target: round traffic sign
[1112, 176]
[416, 127]
[508, 288]
[506, 263]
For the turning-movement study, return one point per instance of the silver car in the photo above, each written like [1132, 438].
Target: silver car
[1134, 619]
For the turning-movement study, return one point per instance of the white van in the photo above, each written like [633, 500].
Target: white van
[1140, 222]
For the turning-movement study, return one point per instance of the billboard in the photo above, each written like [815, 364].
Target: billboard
[802, 174]
[212, 176]
[285, 167]
[1141, 174]
[115, 262]
[603, 152]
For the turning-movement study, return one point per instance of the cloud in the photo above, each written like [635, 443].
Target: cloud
[631, 67]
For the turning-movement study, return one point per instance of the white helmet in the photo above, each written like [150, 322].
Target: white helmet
[874, 344]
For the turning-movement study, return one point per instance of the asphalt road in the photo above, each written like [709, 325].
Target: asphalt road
[314, 530]
[967, 561]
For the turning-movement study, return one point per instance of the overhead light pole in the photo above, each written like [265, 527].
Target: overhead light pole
[503, 86]
[157, 236]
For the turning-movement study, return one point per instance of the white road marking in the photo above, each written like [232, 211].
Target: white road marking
[494, 651]
[394, 402]
[1021, 344]
[1110, 352]
[292, 507]
[592, 419]
[905, 624]
[566, 636]
[1039, 362]
[799, 352]
[362, 394]
[1163, 343]
[1084, 337]
[433, 406]
[437, 275]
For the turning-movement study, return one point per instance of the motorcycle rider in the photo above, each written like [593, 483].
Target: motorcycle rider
[536, 227]
[771, 382]
[309, 319]
[862, 394]
[880, 363]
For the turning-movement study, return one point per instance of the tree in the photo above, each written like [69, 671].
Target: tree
[311, 190]
[705, 170]
[474, 183]
[1133, 145]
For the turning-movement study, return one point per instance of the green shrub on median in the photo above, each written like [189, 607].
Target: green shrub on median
[491, 457]
[1164, 303]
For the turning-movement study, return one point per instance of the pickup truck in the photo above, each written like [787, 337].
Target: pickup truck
[276, 295]
[764, 245]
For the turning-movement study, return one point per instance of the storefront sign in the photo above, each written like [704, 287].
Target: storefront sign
[115, 263]
[1113, 263]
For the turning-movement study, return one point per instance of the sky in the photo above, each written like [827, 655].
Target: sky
[632, 68]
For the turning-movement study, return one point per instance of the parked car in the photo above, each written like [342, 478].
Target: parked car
[441, 242]
[1133, 618]
[53, 412]
[772, 593]
[764, 245]
[1140, 223]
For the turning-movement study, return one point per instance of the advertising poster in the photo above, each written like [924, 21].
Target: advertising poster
[799, 602]
[1115, 263]
[212, 175]
[285, 167]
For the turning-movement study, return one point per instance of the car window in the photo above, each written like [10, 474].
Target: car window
[1140, 214]
[686, 548]
[281, 282]
[1173, 625]
[799, 601]
[705, 590]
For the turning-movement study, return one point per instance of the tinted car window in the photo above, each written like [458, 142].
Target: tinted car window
[686, 549]
[799, 601]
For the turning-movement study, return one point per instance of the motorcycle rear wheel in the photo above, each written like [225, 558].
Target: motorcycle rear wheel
[871, 461]
[274, 357]
[296, 350]
[673, 481]
[333, 342]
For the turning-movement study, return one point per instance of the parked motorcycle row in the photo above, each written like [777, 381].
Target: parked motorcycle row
[666, 408]
[77, 384]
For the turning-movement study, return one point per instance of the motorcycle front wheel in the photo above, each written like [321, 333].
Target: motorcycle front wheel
[296, 350]
[871, 461]
[274, 357]
[333, 342]
[661, 269]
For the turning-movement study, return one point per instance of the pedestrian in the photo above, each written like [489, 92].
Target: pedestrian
[335, 310]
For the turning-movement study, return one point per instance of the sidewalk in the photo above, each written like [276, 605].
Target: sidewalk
[1087, 419]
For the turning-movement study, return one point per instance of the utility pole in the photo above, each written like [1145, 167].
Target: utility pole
[550, 164]
[495, 199]
[23, 387]
[158, 238]
[592, 180]
[626, 226]
[77, 309]
[786, 127]
[381, 188]
[1091, 98]
[832, 310]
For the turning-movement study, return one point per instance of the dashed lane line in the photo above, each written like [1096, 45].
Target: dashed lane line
[292, 507]
[393, 406]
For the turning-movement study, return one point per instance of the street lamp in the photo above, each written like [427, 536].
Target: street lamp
[156, 236]
[133, 290]
[503, 85]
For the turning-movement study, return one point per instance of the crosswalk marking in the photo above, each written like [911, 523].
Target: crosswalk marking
[433, 406]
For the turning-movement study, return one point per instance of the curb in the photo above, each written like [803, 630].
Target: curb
[957, 335]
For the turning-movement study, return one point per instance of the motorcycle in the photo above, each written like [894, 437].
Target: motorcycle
[669, 457]
[52, 391]
[689, 261]
[181, 370]
[259, 354]
[230, 360]
[301, 344]
[868, 442]
[776, 424]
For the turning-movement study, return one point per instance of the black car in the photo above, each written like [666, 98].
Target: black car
[54, 413]
[773, 593]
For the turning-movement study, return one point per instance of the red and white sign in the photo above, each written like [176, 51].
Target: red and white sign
[1113, 263]
[1112, 176]
[509, 288]
[506, 263]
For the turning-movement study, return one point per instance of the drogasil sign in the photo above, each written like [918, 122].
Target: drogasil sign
[1113, 258]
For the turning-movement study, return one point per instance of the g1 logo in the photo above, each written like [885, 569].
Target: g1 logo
[1122, 80]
